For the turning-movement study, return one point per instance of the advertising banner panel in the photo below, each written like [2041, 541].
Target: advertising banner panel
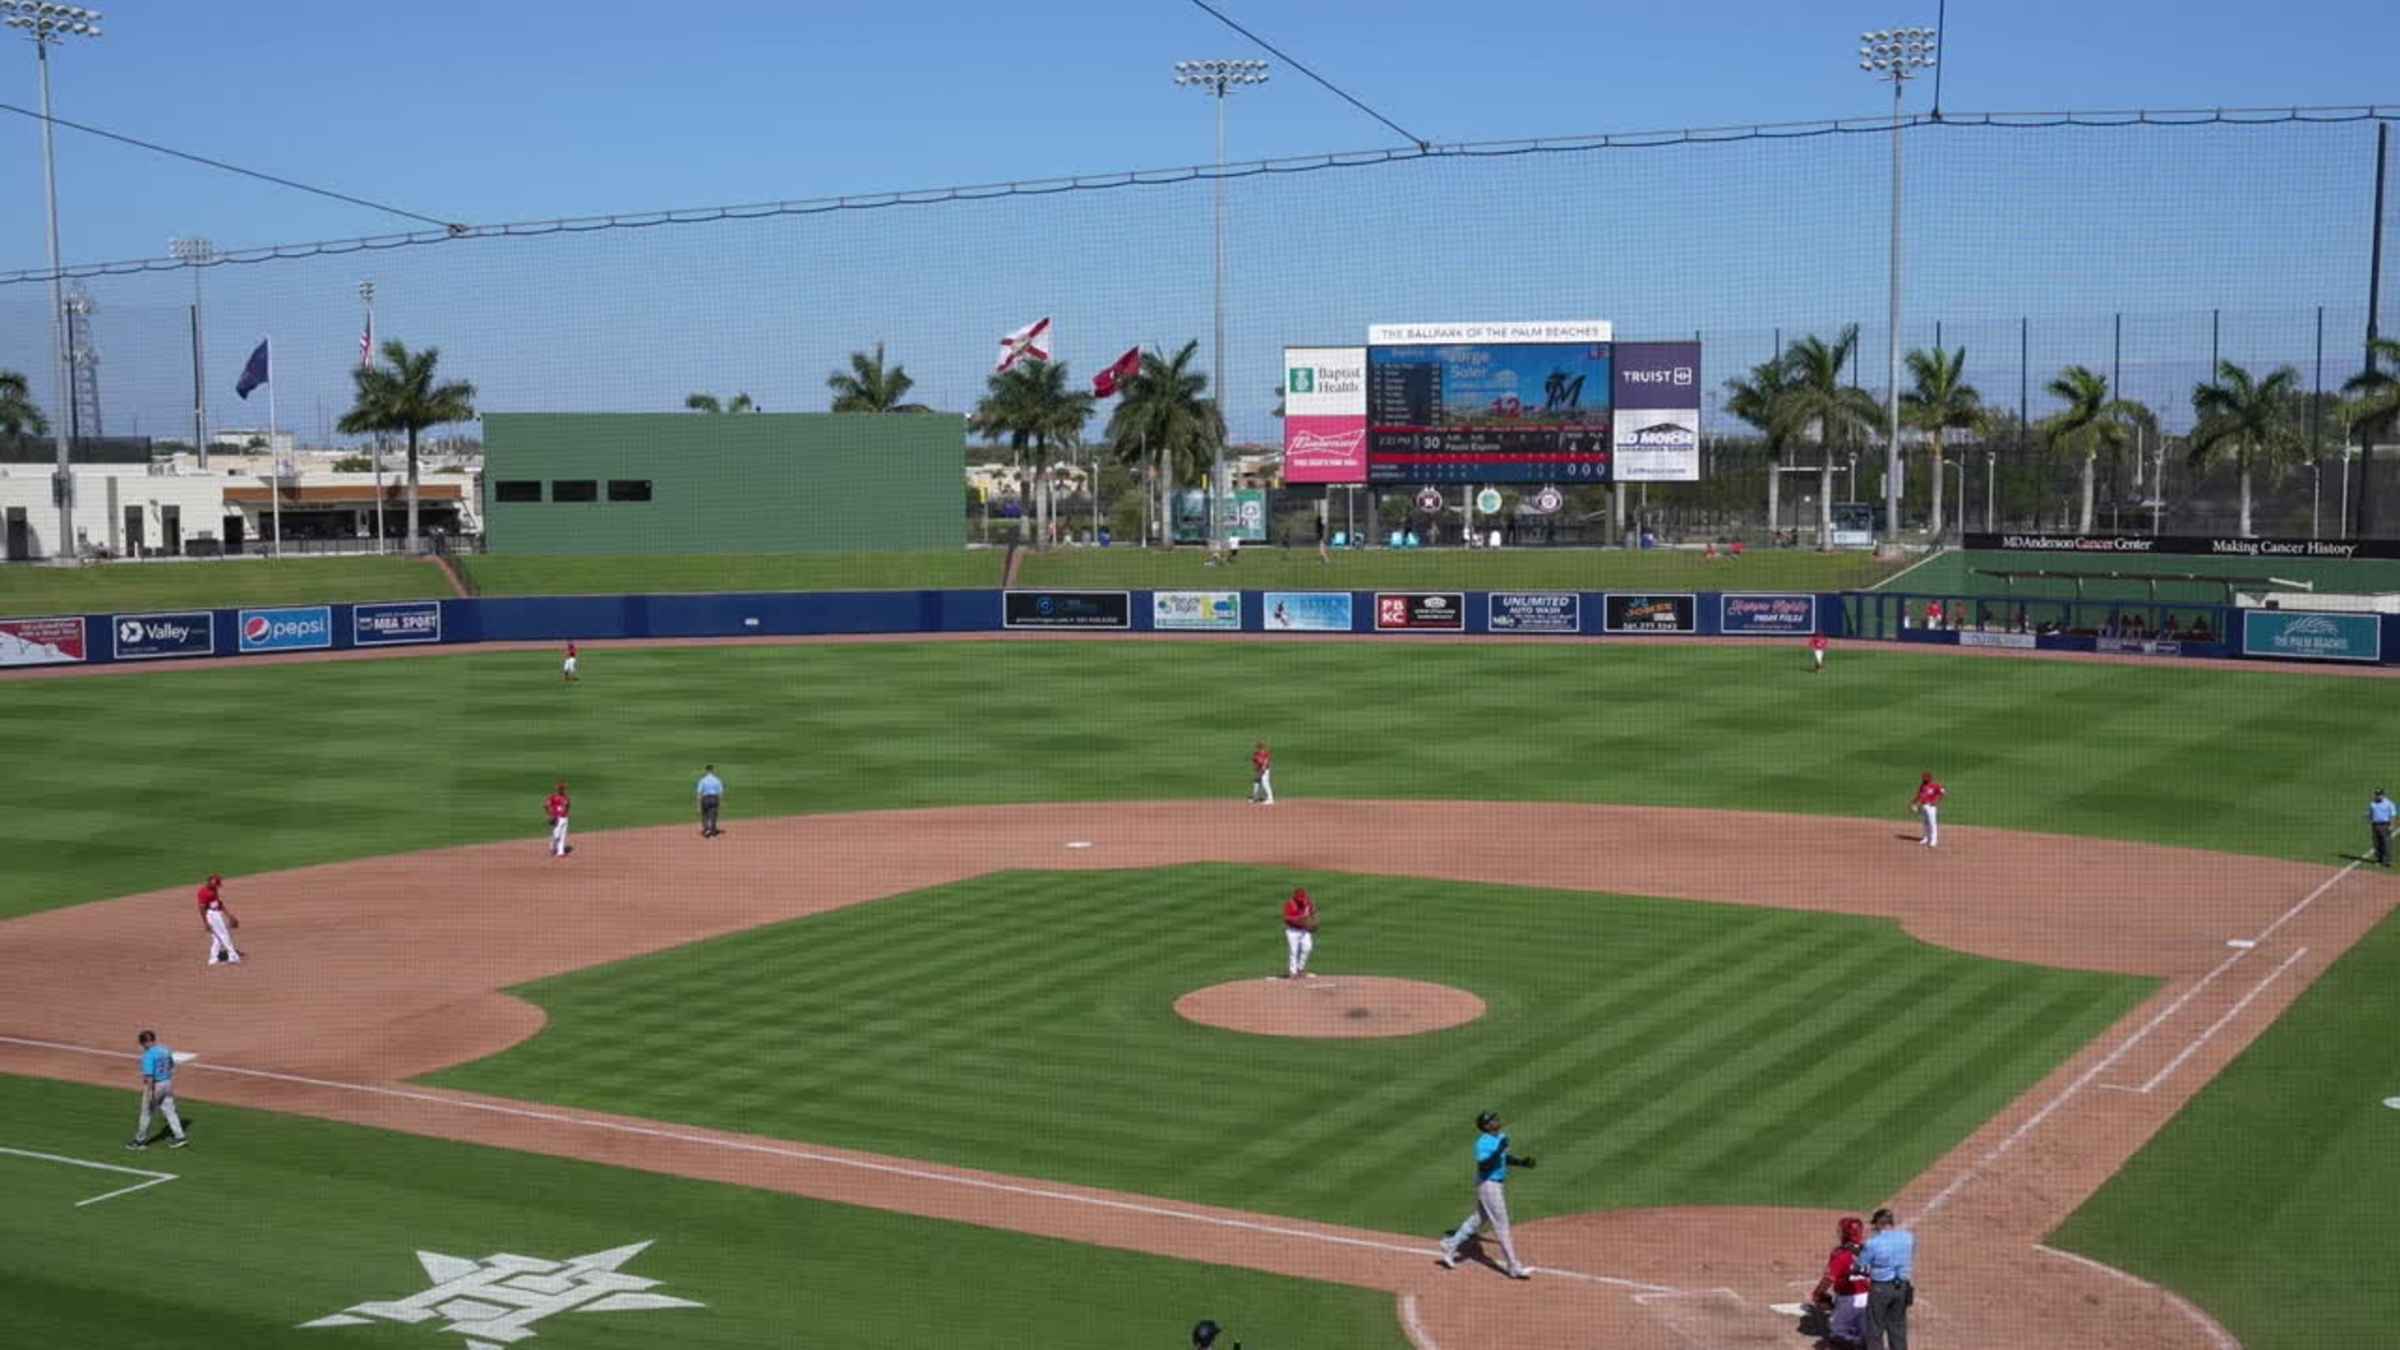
[394, 625]
[1649, 613]
[151, 637]
[1197, 611]
[1324, 414]
[1535, 612]
[1763, 615]
[306, 628]
[41, 642]
[2179, 545]
[1656, 435]
[1066, 609]
[1420, 611]
[1308, 611]
[2295, 636]
[2016, 641]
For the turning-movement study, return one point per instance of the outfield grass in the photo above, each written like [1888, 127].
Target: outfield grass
[171, 773]
[1457, 569]
[2268, 1199]
[215, 583]
[1957, 573]
[1644, 1048]
[633, 574]
[277, 1220]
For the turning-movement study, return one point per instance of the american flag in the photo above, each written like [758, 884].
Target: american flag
[366, 343]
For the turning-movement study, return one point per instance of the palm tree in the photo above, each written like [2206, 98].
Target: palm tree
[1165, 411]
[2091, 422]
[2374, 410]
[399, 394]
[870, 386]
[18, 415]
[1758, 399]
[1817, 402]
[1942, 401]
[2244, 417]
[708, 403]
[1033, 405]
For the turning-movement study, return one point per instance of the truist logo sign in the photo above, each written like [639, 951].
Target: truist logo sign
[1679, 376]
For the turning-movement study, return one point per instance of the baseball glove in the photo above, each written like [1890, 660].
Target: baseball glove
[232, 922]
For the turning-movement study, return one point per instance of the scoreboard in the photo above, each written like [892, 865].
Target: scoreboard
[1478, 412]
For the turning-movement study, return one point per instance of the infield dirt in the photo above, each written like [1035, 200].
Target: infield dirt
[367, 973]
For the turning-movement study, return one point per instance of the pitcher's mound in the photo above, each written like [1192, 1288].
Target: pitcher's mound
[1330, 1005]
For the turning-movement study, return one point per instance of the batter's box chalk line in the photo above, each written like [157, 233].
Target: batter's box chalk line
[155, 1178]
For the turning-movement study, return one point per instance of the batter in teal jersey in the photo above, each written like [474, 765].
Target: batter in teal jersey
[158, 1089]
[1492, 1161]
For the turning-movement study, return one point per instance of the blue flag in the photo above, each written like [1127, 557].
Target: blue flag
[255, 373]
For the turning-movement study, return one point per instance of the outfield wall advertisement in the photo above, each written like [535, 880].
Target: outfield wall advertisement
[2295, 636]
[1308, 611]
[1534, 612]
[1324, 414]
[1650, 613]
[41, 642]
[152, 637]
[1767, 615]
[1066, 609]
[1196, 611]
[1420, 612]
[396, 625]
[300, 629]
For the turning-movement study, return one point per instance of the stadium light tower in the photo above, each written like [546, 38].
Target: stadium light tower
[47, 23]
[1217, 79]
[196, 253]
[1898, 55]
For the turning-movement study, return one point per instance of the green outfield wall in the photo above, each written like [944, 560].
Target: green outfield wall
[602, 483]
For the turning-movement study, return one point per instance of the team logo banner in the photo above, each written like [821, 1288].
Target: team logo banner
[393, 625]
[150, 637]
[41, 642]
[2312, 637]
[1650, 613]
[1197, 611]
[286, 630]
[1421, 611]
[1535, 612]
[1765, 615]
[1308, 611]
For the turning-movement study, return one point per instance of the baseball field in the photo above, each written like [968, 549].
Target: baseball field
[967, 1030]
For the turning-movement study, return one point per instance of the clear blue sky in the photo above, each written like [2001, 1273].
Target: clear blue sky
[500, 112]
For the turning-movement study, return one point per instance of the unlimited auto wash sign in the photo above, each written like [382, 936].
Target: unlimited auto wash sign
[2186, 545]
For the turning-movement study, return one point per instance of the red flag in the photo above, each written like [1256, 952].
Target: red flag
[1129, 365]
[1033, 340]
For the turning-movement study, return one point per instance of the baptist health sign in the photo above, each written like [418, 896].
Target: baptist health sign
[1324, 414]
[2312, 637]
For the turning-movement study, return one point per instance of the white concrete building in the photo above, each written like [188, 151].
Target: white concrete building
[133, 510]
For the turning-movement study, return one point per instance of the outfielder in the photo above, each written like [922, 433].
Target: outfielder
[1492, 1162]
[555, 806]
[158, 1090]
[1816, 650]
[568, 669]
[1929, 805]
[1299, 933]
[1262, 776]
[218, 922]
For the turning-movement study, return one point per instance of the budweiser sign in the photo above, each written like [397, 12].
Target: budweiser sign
[1324, 414]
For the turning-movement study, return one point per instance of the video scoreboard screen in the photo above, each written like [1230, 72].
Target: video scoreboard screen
[1489, 413]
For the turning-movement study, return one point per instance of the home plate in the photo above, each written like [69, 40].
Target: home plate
[2244, 944]
[1079, 843]
[1787, 1309]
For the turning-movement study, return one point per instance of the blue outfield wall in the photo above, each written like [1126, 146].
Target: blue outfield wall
[108, 639]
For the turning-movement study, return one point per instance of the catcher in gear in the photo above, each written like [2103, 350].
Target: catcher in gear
[1841, 1294]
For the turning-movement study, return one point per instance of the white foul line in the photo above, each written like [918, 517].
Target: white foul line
[1415, 1330]
[2310, 898]
[2223, 1338]
[2219, 1024]
[155, 1177]
[831, 1160]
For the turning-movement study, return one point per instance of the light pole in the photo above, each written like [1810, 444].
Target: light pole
[366, 357]
[1960, 515]
[1217, 79]
[1897, 55]
[196, 253]
[47, 23]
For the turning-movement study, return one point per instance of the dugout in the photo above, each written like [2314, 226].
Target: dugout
[571, 483]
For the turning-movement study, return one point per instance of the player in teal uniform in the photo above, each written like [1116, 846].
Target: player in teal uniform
[1492, 1161]
[158, 1089]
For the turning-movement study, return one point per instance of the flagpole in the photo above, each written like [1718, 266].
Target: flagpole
[274, 461]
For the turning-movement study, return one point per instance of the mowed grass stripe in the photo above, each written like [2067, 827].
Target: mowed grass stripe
[1642, 1039]
[248, 768]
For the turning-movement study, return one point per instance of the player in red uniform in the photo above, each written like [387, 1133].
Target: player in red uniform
[1299, 933]
[218, 922]
[568, 670]
[556, 808]
[1262, 782]
[1842, 1292]
[1928, 804]
[1816, 650]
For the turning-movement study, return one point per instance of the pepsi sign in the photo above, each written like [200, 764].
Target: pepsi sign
[286, 630]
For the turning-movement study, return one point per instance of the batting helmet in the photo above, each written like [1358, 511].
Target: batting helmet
[1851, 1231]
[1487, 1120]
[1204, 1334]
